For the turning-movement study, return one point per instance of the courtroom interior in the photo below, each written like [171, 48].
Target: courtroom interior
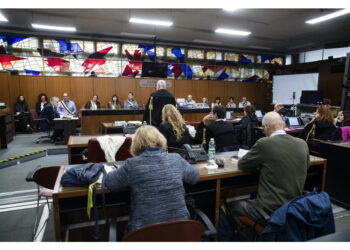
[174, 124]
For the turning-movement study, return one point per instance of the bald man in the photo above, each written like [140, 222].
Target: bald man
[158, 100]
[282, 161]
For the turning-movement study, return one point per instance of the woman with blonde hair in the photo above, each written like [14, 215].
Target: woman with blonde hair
[174, 128]
[155, 179]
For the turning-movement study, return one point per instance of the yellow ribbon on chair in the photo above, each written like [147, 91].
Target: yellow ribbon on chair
[89, 201]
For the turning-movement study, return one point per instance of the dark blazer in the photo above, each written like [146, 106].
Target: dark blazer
[324, 130]
[22, 107]
[167, 130]
[243, 132]
[88, 105]
[49, 112]
[160, 99]
[38, 108]
[221, 131]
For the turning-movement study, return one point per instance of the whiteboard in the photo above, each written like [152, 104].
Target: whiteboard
[284, 86]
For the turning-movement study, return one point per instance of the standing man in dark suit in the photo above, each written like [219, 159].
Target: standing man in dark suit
[156, 102]
[219, 129]
[50, 112]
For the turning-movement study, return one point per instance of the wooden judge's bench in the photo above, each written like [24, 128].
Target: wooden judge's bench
[91, 120]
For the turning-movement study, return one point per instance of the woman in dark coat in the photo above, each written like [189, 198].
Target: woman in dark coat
[93, 104]
[42, 101]
[22, 113]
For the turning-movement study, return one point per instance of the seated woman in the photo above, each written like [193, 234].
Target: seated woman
[244, 127]
[322, 126]
[42, 101]
[22, 113]
[114, 103]
[93, 104]
[205, 101]
[155, 179]
[230, 103]
[173, 128]
[216, 102]
[343, 118]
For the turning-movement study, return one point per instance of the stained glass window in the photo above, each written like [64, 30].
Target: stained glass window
[270, 60]
[247, 58]
[195, 54]
[178, 52]
[113, 52]
[131, 48]
[233, 57]
[277, 60]
[197, 71]
[52, 45]
[160, 51]
[25, 43]
[233, 72]
[214, 55]
[262, 73]
[247, 72]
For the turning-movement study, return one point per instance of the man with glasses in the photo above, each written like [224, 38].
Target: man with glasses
[66, 106]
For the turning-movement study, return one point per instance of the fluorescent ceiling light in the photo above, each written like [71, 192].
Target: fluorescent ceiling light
[149, 21]
[3, 18]
[230, 9]
[233, 32]
[206, 42]
[137, 35]
[329, 16]
[50, 27]
[258, 47]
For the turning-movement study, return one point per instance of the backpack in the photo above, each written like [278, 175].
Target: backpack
[88, 174]
[129, 128]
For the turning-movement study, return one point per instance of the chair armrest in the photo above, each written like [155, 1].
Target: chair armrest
[30, 174]
[259, 210]
[211, 230]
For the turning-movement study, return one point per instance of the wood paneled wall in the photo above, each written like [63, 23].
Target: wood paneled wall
[81, 89]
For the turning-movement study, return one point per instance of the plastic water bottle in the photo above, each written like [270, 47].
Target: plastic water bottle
[211, 150]
[144, 123]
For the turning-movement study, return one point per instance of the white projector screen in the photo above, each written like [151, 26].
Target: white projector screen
[284, 86]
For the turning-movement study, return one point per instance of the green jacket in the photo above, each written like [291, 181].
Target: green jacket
[282, 162]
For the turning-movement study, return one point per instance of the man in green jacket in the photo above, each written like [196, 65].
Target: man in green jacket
[282, 161]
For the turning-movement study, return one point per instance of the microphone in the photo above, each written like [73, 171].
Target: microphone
[293, 95]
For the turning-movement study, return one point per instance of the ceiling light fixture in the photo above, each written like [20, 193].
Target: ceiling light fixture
[50, 27]
[3, 18]
[259, 47]
[206, 42]
[230, 9]
[151, 22]
[233, 32]
[137, 35]
[329, 16]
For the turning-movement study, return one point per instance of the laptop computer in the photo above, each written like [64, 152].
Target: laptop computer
[258, 114]
[294, 122]
[229, 115]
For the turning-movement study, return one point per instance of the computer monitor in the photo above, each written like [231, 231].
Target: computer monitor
[293, 121]
[229, 115]
[258, 114]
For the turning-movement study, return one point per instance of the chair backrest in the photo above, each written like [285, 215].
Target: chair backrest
[46, 176]
[35, 118]
[181, 230]
[194, 124]
[96, 154]
[345, 132]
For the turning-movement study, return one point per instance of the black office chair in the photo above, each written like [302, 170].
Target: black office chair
[45, 178]
[45, 137]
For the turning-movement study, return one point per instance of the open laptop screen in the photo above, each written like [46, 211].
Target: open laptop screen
[293, 121]
[258, 113]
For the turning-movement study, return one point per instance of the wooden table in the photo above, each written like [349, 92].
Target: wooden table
[107, 126]
[229, 171]
[76, 145]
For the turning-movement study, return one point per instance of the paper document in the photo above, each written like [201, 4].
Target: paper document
[242, 152]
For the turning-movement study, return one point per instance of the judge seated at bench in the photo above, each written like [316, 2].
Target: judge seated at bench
[219, 129]
[189, 100]
[156, 102]
[93, 104]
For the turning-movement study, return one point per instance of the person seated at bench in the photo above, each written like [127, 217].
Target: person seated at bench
[93, 104]
[114, 103]
[22, 113]
[221, 130]
[282, 161]
[155, 179]
[174, 128]
[50, 112]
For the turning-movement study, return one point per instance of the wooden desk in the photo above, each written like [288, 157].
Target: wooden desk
[229, 171]
[68, 125]
[91, 119]
[107, 126]
[338, 173]
[76, 145]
